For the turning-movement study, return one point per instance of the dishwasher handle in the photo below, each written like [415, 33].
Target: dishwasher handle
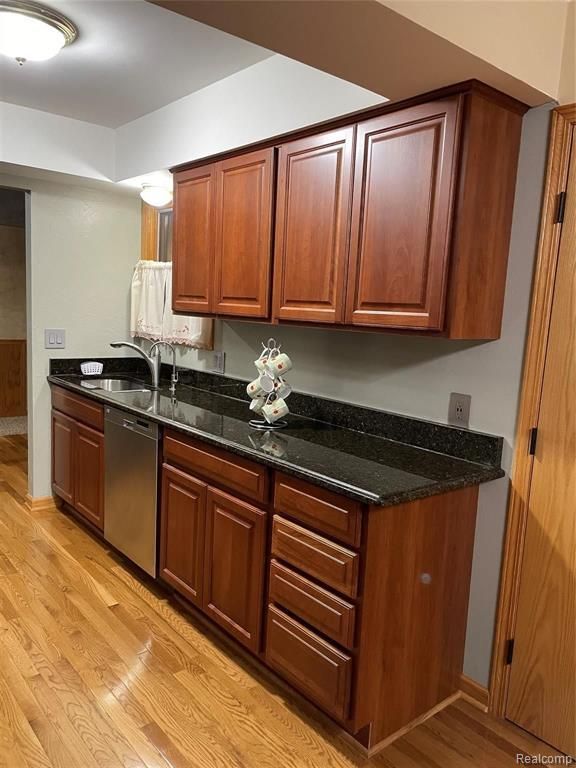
[132, 423]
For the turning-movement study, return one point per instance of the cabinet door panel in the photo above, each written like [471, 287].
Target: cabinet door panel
[243, 235]
[401, 217]
[312, 227]
[89, 474]
[63, 430]
[183, 524]
[234, 566]
[194, 240]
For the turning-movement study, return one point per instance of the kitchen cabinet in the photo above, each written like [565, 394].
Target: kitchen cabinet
[183, 524]
[89, 474]
[222, 234]
[235, 566]
[78, 455]
[396, 219]
[63, 456]
[213, 541]
[400, 242]
[193, 245]
[312, 227]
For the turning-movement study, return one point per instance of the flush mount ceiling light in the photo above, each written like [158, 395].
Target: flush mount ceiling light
[159, 197]
[33, 32]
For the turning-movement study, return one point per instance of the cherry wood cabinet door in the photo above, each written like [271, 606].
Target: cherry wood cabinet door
[182, 531]
[312, 227]
[193, 245]
[234, 566]
[242, 268]
[89, 474]
[400, 238]
[63, 431]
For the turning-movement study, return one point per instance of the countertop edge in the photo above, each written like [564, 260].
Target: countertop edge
[482, 473]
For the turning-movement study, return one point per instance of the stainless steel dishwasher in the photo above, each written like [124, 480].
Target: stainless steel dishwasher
[131, 468]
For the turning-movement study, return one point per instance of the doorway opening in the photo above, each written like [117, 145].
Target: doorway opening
[13, 333]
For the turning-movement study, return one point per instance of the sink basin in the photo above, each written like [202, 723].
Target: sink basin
[115, 385]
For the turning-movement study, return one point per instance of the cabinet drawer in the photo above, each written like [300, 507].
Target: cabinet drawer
[323, 510]
[78, 407]
[324, 560]
[312, 665]
[240, 475]
[327, 613]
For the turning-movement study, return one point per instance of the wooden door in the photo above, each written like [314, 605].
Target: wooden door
[194, 240]
[403, 193]
[89, 474]
[182, 530]
[242, 269]
[63, 430]
[312, 227]
[12, 377]
[234, 566]
[542, 687]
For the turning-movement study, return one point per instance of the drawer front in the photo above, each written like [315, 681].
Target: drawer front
[320, 671]
[323, 510]
[232, 472]
[78, 407]
[324, 560]
[327, 613]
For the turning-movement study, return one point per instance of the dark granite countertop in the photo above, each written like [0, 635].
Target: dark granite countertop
[368, 468]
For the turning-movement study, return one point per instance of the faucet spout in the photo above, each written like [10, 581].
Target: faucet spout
[153, 359]
[154, 349]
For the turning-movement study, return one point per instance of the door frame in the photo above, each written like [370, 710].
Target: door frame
[562, 143]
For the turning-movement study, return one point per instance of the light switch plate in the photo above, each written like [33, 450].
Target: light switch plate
[54, 338]
[459, 409]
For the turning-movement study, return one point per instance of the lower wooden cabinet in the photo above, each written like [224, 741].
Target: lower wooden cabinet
[78, 467]
[183, 522]
[310, 663]
[63, 456]
[213, 552]
[234, 566]
[89, 474]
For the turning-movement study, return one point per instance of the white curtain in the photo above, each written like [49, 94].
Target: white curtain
[151, 314]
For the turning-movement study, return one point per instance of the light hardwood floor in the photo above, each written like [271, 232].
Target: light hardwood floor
[98, 670]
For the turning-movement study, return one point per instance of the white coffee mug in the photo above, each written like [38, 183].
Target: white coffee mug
[261, 364]
[280, 364]
[266, 383]
[257, 404]
[282, 388]
[254, 389]
[274, 410]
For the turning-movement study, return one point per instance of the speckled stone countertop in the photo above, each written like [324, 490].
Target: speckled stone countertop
[366, 467]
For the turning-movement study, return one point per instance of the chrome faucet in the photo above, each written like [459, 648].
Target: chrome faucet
[156, 352]
[153, 359]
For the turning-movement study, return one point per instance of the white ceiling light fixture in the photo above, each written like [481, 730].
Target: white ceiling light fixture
[158, 197]
[33, 32]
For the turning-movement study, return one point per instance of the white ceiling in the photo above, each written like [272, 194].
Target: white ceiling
[131, 58]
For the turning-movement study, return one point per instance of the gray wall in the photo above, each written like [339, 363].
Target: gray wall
[81, 248]
[415, 376]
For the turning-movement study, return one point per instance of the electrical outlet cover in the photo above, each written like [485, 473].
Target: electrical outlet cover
[219, 362]
[459, 409]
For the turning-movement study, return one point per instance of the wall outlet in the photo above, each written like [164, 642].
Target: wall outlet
[459, 409]
[54, 338]
[219, 362]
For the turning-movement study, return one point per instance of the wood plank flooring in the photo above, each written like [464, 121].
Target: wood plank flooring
[101, 670]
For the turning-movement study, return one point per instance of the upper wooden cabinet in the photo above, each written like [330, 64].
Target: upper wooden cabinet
[193, 248]
[312, 226]
[243, 235]
[399, 221]
[403, 188]
[222, 237]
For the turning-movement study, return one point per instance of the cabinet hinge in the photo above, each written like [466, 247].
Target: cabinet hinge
[560, 208]
[533, 440]
[509, 651]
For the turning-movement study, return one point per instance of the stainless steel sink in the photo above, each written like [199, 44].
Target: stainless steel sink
[115, 385]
